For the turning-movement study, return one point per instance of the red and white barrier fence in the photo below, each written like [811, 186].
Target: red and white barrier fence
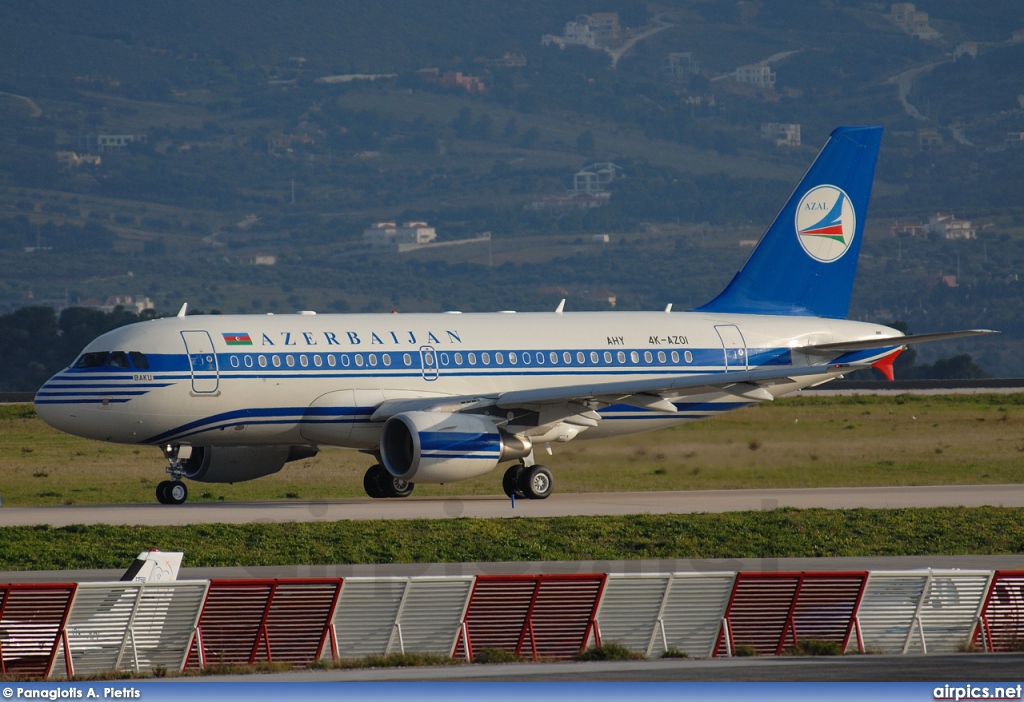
[59, 630]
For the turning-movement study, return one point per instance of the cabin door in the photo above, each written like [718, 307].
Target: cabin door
[203, 360]
[734, 347]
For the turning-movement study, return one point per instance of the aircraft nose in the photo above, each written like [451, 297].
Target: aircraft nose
[47, 409]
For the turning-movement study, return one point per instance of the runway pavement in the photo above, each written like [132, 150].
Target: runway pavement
[995, 667]
[558, 505]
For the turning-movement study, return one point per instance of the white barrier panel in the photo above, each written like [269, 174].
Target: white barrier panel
[920, 611]
[130, 626]
[407, 615]
[656, 612]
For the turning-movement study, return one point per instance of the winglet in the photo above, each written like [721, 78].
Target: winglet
[561, 306]
[184, 309]
[884, 365]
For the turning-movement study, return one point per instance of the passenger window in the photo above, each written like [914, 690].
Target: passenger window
[359, 360]
[581, 357]
[472, 358]
[139, 360]
[607, 356]
[661, 357]
[675, 357]
[554, 357]
[248, 361]
[648, 357]
[567, 357]
[316, 361]
[458, 359]
[407, 359]
[303, 361]
[621, 356]
[499, 358]
[513, 359]
[276, 360]
[373, 359]
[330, 360]
[634, 357]
[386, 358]
[688, 356]
[118, 359]
[263, 361]
[485, 358]
[91, 360]
[234, 361]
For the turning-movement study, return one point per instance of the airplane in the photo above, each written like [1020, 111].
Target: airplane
[437, 398]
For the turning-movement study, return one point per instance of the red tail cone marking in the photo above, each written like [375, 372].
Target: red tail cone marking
[885, 364]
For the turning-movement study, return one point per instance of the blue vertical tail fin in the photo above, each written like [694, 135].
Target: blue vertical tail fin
[806, 261]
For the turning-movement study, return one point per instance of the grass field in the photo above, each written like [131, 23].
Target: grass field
[776, 533]
[799, 442]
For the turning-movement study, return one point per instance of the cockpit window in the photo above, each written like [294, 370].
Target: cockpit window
[118, 359]
[94, 359]
[139, 360]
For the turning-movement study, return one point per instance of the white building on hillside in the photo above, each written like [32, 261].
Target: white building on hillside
[781, 133]
[759, 74]
[949, 227]
[382, 234]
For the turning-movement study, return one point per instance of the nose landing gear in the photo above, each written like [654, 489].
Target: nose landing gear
[173, 491]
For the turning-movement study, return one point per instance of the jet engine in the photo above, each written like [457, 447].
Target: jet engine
[440, 447]
[235, 464]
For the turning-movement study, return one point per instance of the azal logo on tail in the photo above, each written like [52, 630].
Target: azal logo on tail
[825, 223]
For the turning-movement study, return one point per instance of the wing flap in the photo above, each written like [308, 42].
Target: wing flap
[672, 385]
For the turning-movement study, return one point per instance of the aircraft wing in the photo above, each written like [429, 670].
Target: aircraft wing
[648, 393]
[881, 342]
[742, 383]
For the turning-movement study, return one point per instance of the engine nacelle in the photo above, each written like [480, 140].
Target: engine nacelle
[441, 447]
[235, 464]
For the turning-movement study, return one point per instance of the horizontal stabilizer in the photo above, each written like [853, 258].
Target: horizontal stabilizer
[882, 342]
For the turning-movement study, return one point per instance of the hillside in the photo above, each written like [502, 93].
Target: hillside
[241, 148]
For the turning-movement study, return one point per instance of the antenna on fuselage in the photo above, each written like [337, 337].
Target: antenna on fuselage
[561, 306]
[668, 308]
[184, 309]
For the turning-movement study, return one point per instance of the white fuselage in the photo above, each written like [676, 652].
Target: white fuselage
[316, 379]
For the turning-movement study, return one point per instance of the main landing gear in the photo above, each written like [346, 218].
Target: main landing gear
[533, 482]
[378, 482]
[173, 491]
